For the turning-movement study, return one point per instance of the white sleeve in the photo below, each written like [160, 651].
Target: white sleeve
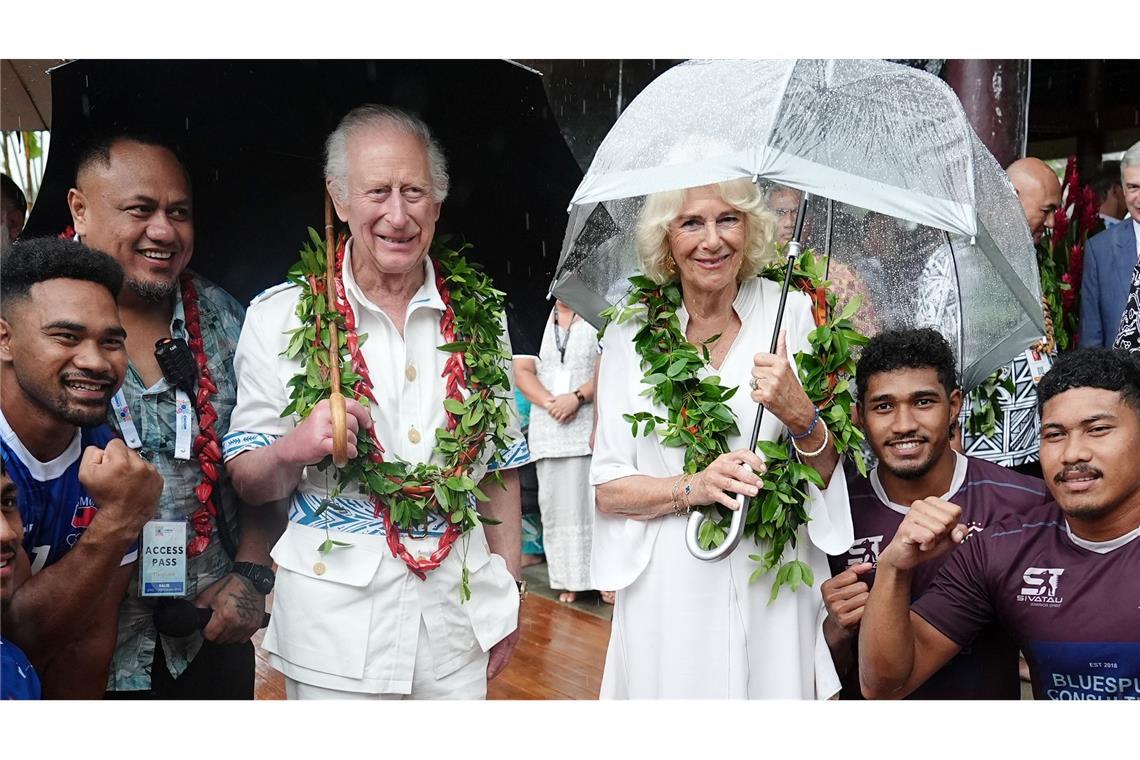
[619, 378]
[621, 547]
[261, 394]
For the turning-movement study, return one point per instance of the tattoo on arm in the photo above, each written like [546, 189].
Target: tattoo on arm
[246, 600]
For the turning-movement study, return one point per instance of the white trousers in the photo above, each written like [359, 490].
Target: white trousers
[469, 682]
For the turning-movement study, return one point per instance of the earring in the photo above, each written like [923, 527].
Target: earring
[670, 265]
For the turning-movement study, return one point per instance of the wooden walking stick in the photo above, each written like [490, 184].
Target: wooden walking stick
[337, 412]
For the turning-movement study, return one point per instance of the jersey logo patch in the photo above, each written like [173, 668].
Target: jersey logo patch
[865, 550]
[1042, 587]
[84, 513]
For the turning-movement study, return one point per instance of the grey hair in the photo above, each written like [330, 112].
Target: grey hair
[380, 116]
[1130, 158]
[774, 188]
[661, 209]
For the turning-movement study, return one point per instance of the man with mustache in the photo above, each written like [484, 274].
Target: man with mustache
[133, 199]
[908, 398]
[1060, 579]
[84, 496]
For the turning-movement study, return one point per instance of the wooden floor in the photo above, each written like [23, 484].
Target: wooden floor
[559, 656]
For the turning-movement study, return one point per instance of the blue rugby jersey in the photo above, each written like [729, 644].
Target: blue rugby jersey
[18, 679]
[54, 506]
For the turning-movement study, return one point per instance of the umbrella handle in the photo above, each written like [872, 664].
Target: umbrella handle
[337, 415]
[736, 527]
[339, 418]
[735, 532]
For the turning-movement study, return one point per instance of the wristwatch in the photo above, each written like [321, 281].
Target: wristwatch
[261, 576]
[522, 590]
[581, 398]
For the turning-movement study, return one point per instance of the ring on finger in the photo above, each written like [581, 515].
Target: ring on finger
[754, 383]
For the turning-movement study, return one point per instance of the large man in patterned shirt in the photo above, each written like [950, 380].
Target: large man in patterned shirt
[132, 199]
[1060, 579]
[358, 622]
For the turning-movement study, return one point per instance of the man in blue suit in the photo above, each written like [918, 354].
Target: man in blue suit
[1109, 261]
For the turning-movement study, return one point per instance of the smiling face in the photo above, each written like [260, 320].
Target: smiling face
[707, 241]
[1089, 440]
[137, 208]
[11, 536]
[1130, 180]
[388, 203]
[63, 352]
[906, 414]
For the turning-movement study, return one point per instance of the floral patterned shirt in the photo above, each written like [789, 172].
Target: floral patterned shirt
[152, 410]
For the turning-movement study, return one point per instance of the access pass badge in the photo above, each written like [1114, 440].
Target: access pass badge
[1039, 364]
[162, 563]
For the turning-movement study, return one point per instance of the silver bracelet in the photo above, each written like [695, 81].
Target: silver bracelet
[817, 452]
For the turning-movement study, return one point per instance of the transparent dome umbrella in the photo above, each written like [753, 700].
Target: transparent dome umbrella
[915, 213]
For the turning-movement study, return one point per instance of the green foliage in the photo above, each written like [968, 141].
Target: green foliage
[412, 492]
[698, 418]
[985, 402]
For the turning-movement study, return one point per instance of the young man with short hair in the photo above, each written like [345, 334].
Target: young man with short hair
[908, 399]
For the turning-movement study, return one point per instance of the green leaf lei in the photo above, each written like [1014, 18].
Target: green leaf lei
[699, 419]
[409, 492]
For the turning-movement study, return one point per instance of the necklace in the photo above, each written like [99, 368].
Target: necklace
[206, 447]
[405, 495]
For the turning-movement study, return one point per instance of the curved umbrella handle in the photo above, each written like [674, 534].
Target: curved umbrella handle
[735, 532]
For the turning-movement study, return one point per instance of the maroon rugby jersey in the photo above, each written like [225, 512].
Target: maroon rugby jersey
[986, 492]
[1072, 606]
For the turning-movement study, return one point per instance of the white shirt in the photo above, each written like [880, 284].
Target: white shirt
[349, 619]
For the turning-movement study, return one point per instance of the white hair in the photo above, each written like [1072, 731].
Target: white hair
[1130, 158]
[383, 117]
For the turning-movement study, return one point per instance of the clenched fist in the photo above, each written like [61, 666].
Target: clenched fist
[124, 487]
[929, 530]
[845, 596]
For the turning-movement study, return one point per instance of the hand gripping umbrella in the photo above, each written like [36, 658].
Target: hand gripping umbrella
[902, 192]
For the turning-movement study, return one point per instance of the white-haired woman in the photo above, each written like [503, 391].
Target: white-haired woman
[684, 628]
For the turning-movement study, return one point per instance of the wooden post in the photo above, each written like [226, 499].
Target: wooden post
[995, 96]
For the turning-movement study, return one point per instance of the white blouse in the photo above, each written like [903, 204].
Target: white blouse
[754, 649]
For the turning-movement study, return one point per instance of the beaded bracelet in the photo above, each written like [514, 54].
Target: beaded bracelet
[809, 431]
[817, 452]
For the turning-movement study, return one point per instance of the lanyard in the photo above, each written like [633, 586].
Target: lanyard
[183, 422]
[126, 422]
[559, 341]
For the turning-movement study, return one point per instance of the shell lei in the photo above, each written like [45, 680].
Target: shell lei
[406, 495]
